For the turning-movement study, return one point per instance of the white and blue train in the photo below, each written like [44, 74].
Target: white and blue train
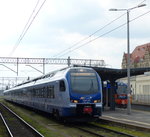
[69, 92]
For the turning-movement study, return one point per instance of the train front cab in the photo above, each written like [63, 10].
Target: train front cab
[121, 98]
[85, 93]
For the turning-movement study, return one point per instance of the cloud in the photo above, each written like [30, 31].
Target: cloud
[61, 24]
[105, 48]
[108, 49]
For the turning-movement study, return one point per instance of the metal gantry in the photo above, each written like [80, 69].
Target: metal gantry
[57, 61]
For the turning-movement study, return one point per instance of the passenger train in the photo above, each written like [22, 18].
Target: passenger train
[121, 98]
[69, 92]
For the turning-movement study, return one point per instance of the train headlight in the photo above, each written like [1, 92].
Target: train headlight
[74, 101]
[97, 101]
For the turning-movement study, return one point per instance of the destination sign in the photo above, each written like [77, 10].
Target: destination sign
[82, 74]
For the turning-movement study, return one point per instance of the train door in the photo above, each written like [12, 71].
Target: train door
[60, 98]
[63, 92]
[60, 92]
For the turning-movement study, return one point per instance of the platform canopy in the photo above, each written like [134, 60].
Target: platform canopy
[114, 74]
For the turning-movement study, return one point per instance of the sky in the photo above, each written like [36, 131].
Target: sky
[60, 24]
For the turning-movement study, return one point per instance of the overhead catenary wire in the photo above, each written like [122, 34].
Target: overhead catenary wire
[102, 35]
[28, 21]
[69, 49]
[24, 29]
[77, 43]
[142, 2]
[27, 26]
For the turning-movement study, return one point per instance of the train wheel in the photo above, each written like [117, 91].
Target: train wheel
[56, 114]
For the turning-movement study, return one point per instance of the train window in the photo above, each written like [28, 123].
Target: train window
[62, 85]
[28, 92]
[37, 93]
[84, 83]
[50, 92]
[45, 92]
[34, 92]
[42, 92]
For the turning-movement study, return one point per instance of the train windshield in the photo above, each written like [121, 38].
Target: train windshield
[84, 82]
[122, 89]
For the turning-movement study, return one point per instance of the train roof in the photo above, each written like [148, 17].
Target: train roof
[49, 75]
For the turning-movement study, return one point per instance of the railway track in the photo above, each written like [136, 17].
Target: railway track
[141, 107]
[99, 131]
[16, 126]
[4, 127]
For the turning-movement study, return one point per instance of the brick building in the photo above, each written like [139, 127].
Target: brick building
[140, 57]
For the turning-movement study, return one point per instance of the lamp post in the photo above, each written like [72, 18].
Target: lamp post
[128, 52]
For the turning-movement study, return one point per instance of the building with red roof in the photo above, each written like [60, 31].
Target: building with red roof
[140, 57]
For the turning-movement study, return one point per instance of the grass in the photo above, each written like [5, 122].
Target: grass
[45, 125]
[34, 120]
[51, 128]
[3, 131]
[125, 130]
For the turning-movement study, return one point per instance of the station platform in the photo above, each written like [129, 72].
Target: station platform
[136, 118]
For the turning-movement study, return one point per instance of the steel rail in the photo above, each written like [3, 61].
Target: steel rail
[111, 130]
[27, 124]
[99, 127]
[122, 123]
[6, 125]
[90, 132]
